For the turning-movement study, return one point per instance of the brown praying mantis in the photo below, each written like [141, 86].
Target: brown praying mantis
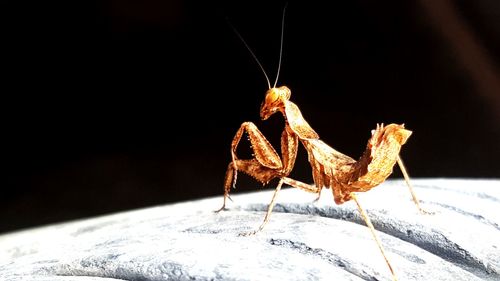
[330, 168]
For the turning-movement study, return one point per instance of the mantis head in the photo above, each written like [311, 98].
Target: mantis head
[274, 101]
[275, 97]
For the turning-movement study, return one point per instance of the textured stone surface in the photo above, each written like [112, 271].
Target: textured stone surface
[303, 241]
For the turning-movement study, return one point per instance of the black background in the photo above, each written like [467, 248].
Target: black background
[121, 104]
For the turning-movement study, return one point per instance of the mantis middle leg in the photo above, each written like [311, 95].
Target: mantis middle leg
[291, 182]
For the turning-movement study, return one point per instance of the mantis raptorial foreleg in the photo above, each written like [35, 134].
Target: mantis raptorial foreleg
[265, 165]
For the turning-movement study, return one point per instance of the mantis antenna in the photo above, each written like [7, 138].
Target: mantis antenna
[281, 45]
[255, 57]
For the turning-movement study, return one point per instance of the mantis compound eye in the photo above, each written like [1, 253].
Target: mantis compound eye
[271, 96]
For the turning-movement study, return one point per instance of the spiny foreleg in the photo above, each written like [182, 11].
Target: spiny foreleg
[265, 165]
[250, 167]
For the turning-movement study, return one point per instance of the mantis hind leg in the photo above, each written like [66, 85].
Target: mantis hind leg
[374, 234]
[410, 187]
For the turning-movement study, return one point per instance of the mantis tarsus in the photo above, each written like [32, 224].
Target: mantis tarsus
[330, 168]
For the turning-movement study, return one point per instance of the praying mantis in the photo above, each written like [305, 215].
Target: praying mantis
[330, 168]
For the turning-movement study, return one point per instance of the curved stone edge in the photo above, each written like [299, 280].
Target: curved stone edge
[302, 242]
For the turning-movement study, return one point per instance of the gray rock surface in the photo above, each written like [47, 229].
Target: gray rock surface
[304, 240]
